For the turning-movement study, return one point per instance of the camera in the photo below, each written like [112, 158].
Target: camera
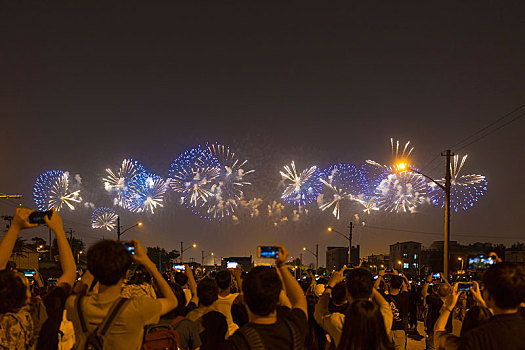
[268, 252]
[37, 217]
[130, 247]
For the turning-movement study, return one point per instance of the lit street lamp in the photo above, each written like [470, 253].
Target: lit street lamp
[461, 259]
[78, 257]
[204, 257]
[182, 250]
[349, 238]
[119, 233]
[316, 254]
[446, 188]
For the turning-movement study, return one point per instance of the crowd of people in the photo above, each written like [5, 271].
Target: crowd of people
[123, 301]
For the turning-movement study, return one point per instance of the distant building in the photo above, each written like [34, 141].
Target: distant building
[337, 257]
[515, 256]
[406, 257]
[378, 260]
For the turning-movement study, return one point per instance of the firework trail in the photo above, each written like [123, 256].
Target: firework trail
[104, 218]
[192, 174]
[227, 188]
[465, 190]
[146, 194]
[402, 192]
[304, 188]
[128, 176]
[52, 189]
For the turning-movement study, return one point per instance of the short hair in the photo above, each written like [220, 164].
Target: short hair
[339, 293]
[475, 316]
[261, 288]
[360, 283]
[140, 276]
[180, 278]
[108, 261]
[12, 291]
[506, 284]
[207, 291]
[396, 282]
[223, 279]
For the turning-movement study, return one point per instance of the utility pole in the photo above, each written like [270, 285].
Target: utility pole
[71, 240]
[202, 260]
[301, 257]
[350, 243]
[446, 240]
[181, 253]
[118, 228]
[317, 258]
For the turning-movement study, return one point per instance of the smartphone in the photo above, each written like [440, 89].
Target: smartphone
[130, 247]
[376, 277]
[37, 217]
[435, 275]
[389, 271]
[270, 252]
[29, 273]
[400, 274]
[464, 286]
[179, 267]
[480, 262]
[232, 265]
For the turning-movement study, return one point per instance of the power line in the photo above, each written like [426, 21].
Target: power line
[487, 126]
[491, 132]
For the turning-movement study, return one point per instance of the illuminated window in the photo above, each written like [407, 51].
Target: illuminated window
[414, 265]
[406, 265]
[405, 255]
[415, 256]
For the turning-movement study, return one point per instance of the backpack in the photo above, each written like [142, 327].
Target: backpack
[95, 339]
[255, 342]
[163, 336]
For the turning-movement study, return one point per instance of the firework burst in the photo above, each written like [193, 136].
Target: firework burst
[304, 187]
[465, 190]
[227, 188]
[104, 218]
[146, 194]
[402, 192]
[192, 175]
[128, 176]
[342, 182]
[52, 189]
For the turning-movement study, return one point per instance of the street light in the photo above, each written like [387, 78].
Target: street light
[203, 257]
[349, 238]
[119, 233]
[182, 250]
[400, 263]
[78, 257]
[461, 259]
[316, 254]
[446, 188]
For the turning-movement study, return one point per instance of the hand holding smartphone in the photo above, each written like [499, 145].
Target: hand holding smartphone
[268, 252]
[130, 247]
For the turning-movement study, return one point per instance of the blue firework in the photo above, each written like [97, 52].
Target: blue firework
[465, 190]
[146, 194]
[52, 189]
[119, 183]
[342, 183]
[301, 189]
[192, 174]
[104, 217]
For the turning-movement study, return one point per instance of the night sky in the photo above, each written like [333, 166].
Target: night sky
[84, 85]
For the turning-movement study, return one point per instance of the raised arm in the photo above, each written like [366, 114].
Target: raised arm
[237, 275]
[8, 242]
[168, 301]
[67, 261]
[192, 285]
[291, 286]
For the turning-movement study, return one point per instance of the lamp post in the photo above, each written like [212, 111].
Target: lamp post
[78, 257]
[182, 250]
[461, 259]
[446, 188]
[119, 233]
[316, 254]
[349, 238]
[203, 257]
